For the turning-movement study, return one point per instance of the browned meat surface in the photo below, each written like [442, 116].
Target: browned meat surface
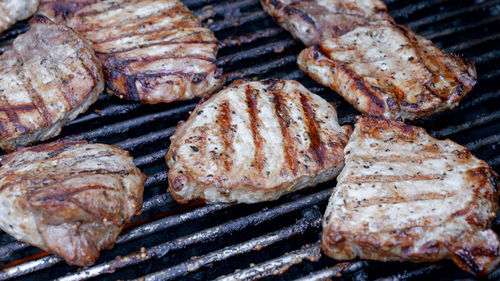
[12, 11]
[405, 196]
[382, 68]
[387, 70]
[47, 77]
[69, 198]
[255, 141]
[152, 51]
[312, 20]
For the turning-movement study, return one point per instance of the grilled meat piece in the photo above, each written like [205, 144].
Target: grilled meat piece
[12, 11]
[380, 67]
[152, 51]
[311, 20]
[387, 70]
[255, 141]
[69, 198]
[405, 196]
[47, 77]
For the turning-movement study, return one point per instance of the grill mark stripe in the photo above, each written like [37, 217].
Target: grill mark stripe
[253, 111]
[316, 146]
[390, 200]
[392, 178]
[122, 63]
[226, 133]
[38, 102]
[215, 42]
[284, 120]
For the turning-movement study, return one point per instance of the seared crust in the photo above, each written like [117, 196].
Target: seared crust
[47, 77]
[311, 20]
[405, 196]
[255, 141]
[12, 11]
[408, 78]
[152, 51]
[70, 198]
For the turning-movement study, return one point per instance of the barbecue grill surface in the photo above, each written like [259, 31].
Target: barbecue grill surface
[200, 242]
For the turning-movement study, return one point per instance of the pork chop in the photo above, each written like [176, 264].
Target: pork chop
[311, 20]
[388, 70]
[405, 196]
[152, 51]
[12, 11]
[255, 141]
[48, 76]
[69, 198]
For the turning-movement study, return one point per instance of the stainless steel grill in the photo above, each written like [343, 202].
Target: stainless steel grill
[231, 242]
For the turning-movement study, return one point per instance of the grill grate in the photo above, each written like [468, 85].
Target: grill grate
[199, 242]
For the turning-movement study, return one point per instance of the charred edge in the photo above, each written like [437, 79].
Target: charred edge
[131, 88]
[316, 145]
[253, 111]
[64, 9]
[142, 46]
[226, 133]
[284, 121]
[289, 11]
[39, 18]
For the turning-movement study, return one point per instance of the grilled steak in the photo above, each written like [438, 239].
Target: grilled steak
[387, 70]
[380, 67]
[255, 141]
[152, 51]
[12, 11]
[70, 198]
[47, 77]
[311, 20]
[406, 196]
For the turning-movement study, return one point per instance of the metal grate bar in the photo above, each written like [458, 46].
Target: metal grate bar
[312, 219]
[453, 13]
[113, 110]
[471, 43]
[410, 9]
[477, 144]
[335, 271]
[225, 8]
[469, 124]
[487, 56]
[459, 28]
[237, 21]
[261, 69]
[125, 126]
[491, 74]
[200, 237]
[411, 275]
[233, 41]
[274, 47]
[152, 137]
[150, 158]
[156, 179]
[276, 266]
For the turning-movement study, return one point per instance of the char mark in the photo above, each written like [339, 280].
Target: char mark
[289, 11]
[226, 133]
[316, 145]
[253, 111]
[285, 121]
[142, 46]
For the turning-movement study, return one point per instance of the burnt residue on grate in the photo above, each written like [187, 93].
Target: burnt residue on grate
[260, 241]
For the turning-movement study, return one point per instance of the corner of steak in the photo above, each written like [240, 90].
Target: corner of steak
[405, 196]
[255, 141]
[47, 77]
[69, 198]
[152, 51]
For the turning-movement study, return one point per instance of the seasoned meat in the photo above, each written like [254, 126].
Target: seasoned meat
[69, 198]
[47, 77]
[152, 51]
[311, 20]
[405, 196]
[387, 70]
[255, 141]
[382, 68]
[12, 11]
